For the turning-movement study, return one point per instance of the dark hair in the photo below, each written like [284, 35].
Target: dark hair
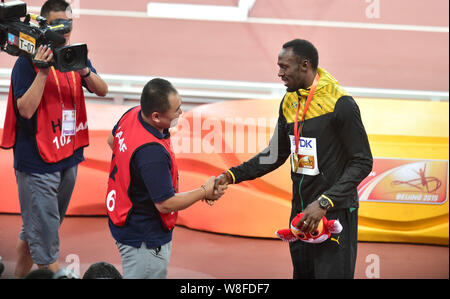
[304, 50]
[102, 270]
[155, 96]
[53, 5]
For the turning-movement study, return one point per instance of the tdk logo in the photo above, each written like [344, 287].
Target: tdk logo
[305, 143]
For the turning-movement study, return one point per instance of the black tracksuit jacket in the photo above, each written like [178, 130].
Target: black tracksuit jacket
[343, 151]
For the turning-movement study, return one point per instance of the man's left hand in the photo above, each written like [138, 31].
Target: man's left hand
[311, 217]
[83, 72]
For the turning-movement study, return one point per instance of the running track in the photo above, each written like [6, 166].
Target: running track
[200, 255]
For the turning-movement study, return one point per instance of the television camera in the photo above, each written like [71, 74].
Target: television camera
[24, 37]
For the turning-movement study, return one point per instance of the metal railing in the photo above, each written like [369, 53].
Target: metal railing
[126, 89]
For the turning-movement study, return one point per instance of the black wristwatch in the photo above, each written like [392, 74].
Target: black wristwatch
[88, 74]
[324, 203]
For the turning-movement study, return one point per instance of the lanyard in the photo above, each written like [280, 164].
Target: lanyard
[308, 101]
[59, 87]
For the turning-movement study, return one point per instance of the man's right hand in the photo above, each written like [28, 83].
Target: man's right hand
[220, 184]
[213, 191]
[222, 180]
[43, 55]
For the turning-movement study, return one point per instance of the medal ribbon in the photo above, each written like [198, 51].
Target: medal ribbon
[297, 132]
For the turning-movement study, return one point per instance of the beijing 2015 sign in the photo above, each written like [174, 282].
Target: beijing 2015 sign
[406, 181]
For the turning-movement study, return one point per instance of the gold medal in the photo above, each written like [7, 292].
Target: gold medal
[295, 161]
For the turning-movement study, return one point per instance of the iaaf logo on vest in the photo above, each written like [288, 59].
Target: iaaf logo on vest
[122, 145]
[81, 126]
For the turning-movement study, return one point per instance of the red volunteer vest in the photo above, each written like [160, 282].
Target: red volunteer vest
[9, 126]
[130, 135]
[61, 91]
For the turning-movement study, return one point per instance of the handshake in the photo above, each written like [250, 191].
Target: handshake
[214, 188]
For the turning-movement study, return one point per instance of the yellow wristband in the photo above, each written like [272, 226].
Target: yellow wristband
[232, 176]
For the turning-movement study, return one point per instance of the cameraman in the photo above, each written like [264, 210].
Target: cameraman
[48, 140]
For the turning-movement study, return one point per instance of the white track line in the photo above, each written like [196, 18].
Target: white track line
[354, 25]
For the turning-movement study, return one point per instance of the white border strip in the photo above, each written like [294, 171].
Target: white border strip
[201, 12]
[252, 20]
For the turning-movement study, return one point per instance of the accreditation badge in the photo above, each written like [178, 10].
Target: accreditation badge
[68, 122]
[304, 161]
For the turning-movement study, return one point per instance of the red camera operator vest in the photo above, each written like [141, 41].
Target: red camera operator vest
[61, 91]
[131, 135]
